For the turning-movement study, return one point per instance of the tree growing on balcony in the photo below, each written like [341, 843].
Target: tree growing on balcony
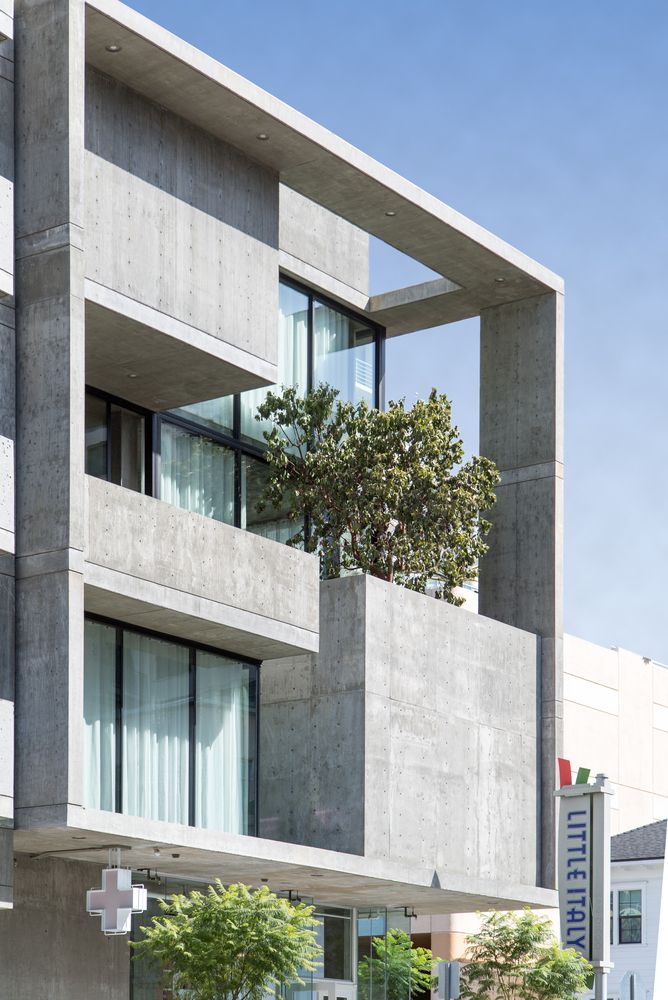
[384, 492]
[230, 943]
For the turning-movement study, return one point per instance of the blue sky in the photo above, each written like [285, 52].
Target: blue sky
[546, 123]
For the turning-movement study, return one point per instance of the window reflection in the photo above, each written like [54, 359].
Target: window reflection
[344, 355]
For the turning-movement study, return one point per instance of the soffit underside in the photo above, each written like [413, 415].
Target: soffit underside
[313, 161]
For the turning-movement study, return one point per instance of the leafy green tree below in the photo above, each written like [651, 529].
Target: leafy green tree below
[230, 943]
[396, 970]
[514, 956]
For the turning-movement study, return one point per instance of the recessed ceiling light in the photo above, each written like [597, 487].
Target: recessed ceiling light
[390, 215]
[500, 281]
[113, 48]
[78, 838]
[262, 136]
[132, 375]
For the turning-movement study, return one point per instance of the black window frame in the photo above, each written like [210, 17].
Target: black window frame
[149, 435]
[193, 647]
[240, 447]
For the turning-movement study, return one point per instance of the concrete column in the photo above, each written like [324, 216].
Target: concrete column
[49, 38]
[521, 577]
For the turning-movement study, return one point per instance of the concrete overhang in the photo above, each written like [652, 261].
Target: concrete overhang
[159, 362]
[318, 164]
[328, 876]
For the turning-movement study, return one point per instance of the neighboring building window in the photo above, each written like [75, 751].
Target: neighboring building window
[170, 730]
[626, 916]
[209, 456]
[630, 916]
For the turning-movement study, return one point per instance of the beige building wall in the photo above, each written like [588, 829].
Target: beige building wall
[616, 722]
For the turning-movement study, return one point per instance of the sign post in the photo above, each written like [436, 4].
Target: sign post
[584, 874]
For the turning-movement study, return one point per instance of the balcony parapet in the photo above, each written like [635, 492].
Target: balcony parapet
[159, 567]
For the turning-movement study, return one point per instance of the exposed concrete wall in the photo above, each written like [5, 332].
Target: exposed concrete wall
[412, 734]
[187, 558]
[50, 949]
[616, 722]
[50, 397]
[521, 577]
[180, 221]
[328, 251]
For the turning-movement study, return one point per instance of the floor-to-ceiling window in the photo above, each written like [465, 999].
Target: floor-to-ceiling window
[208, 457]
[169, 729]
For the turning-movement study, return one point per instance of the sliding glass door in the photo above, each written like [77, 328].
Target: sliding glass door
[169, 730]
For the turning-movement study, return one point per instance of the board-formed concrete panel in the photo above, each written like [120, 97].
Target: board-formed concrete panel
[192, 576]
[414, 733]
[179, 220]
[324, 242]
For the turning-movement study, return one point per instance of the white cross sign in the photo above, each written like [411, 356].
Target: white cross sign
[117, 900]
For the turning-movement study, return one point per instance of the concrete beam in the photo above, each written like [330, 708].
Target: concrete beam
[521, 577]
[308, 158]
[159, 362]
[330, 876]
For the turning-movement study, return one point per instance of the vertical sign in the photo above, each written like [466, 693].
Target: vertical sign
[584, 873]
[575, 873]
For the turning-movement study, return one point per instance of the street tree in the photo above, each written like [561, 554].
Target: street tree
[396, 970]
[514, 956]
[230, 943]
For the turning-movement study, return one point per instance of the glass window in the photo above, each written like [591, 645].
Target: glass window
[96, 436]
[630, 916]
[115, 443]
[187, 747]
[271, 523]
[344, 355]
[215, 413]
[292, 360]
[126, 438]
[334, 936]
[155, 728]
[223, 777]
[100, 716]
[196, 473]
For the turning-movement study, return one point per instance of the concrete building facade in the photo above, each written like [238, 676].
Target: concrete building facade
[174, 681]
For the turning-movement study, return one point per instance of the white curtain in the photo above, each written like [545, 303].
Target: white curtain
[196, 473]
[221, 744]
[99, 758]
[292, 360]
[155, 728]
[343, 355]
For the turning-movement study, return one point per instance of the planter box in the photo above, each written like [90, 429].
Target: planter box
[411, 736]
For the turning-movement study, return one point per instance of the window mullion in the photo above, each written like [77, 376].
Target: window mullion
[192, 723]
[119, 719]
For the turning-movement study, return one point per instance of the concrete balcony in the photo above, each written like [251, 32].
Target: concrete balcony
[157, 566]
[413, 734]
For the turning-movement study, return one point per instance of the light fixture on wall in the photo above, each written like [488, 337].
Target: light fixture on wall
[156, 852]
